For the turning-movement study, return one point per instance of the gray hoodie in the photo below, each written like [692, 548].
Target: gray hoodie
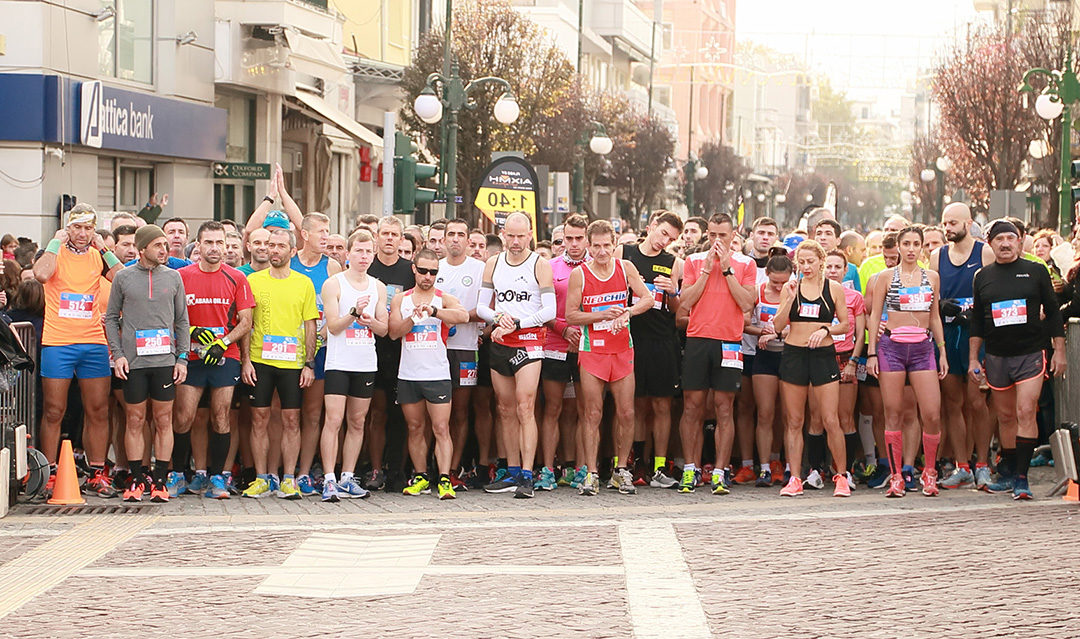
[144, 306]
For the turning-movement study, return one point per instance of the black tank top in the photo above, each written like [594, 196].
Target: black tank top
[818, 311]
[658, 321]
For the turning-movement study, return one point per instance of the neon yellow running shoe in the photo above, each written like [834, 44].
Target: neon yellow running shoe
[446, 489]
[258, 488]
[418, 486]
[687, 483]
[289, 489]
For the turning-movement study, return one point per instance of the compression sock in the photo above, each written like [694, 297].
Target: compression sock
[1007, 467]
[659, 463]
[526, 475]
[815, 451]
[929, 447]
[1025, 448]
[133, 467]
[894, 448]
[851, 447]
[514, 471]
[866, 436]
[181, 452]
[161, 470]
[638, 448]
[219, 450]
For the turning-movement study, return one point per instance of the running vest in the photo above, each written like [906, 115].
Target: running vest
[658, 321]
[463, 282]
[517, 293]
[820, 309]
[764, 313]
[599, 295]
[423, 349]
[555, 347]
[957, 282]
[353, 349]
[318, 275]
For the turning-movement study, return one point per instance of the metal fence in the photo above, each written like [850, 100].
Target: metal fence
[19, 406]
[1067, 387]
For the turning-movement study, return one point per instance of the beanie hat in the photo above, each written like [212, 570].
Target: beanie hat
[147, 234]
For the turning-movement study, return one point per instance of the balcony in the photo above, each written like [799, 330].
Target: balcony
[621, 21]
[308, 16]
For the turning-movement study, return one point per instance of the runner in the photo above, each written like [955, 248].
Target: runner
[909, 294]
[234, 248]
[694, 230]
[279, 355]
[656, 340]
[848, 351]
[808, 369]
[176, 231]
[520, 285]
[557, 240]
[257, 246]
[436, 237]
[73, 339]
[355, 311]
[713, 356]
[827, 233]
[421, 318]
[459, 277]
[337, 249]
[966, 416]
[141, 325]
[478, 245]
[1010, 297]
[597, 299]
[219, 303]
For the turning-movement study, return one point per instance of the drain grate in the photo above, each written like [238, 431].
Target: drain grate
[83, 510]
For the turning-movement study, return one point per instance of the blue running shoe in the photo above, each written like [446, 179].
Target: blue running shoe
[1042, 458]
[176, 484]
[275, 483]
[982, 477]
[218, 488]
[545, 480]
[198, 484]
[908, 473]
[1004, 484]
[579, 476]
[307, 486]
[229, 484]
[504, 483]
[329, 491]
[960, 478]
[349, 489]
[880, 478]
[1021, 490]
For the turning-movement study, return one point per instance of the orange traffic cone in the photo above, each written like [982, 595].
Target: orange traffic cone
[1073, 494]
[66, 487]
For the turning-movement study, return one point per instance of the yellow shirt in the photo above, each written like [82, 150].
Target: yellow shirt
[281, 307]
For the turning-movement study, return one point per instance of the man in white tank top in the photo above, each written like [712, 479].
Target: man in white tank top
[460, 276]
[421, 319]
[520, 285]
[354, 304]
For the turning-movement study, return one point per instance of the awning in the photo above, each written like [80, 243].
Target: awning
[313, 56]
[317, 108]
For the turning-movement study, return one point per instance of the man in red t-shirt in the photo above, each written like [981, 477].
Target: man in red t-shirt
[718, 287]
[219, 302]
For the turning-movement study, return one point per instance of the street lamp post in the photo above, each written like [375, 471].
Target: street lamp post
[1061, 91]
[936, 170]
[600, 144]
[693, 170]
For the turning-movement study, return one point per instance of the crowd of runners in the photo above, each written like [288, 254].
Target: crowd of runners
[280, 359]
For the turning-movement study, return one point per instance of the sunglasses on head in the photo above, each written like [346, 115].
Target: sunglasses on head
[426, 271]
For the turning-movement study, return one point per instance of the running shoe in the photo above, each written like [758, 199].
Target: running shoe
[745, 475]
[230, 483]
[1004, 484]
[703, 475]
[350, 489]
[793, 488]
[458, 480]
[1042, 457]
[764, 479]
[307, 486]
[446, 489]
[567, 477]
[503, 483]
[1021, 490]
[198, 484]
[776, 469]
[218, 488]
[257, 489]
[719, 482]
[288, 489]
[960, 478]
[579, 477]
[982, 477]
[842, 486]
[814, 480]
[929, 482]
[375, 480]
[689, 481]
[101, 485]
[545, 480]
[590, 485]
[869, 471]
[176, 484]
[850, 480]
[159, 493]
[908, 473]
[880, 478]
[613, 480]
[661, 480]
[418, 486]
[524, 489]
[626, 482]
[275, 483]
[639, 476]
[329, 491]
[135, 489]
[897, 486]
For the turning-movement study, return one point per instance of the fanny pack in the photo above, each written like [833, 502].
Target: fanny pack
[908, 334]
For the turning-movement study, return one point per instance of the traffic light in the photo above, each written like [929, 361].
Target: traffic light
[407, 172]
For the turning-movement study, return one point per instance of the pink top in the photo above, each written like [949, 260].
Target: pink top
[560, 276]
[855, 307]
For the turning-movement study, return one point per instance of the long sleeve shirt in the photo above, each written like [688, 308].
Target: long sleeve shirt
[147, 320]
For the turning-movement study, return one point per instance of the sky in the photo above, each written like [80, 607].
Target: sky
[872, 49]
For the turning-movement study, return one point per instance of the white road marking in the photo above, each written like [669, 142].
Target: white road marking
[659, 589]
[353, 572]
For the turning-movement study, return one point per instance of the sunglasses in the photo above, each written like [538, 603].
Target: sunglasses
[426, 271]
[556, 242]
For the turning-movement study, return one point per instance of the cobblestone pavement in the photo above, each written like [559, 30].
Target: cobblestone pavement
[654, 564]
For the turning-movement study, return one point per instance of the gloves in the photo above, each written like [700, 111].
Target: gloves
[215, 353]
[950, 310]
[202, 335]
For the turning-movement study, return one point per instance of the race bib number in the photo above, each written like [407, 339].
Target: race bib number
[556, 355]
[467, 374]
[75, 306]
[658, 296]
[534, 352]
[153, 341]
[916, 298]
[766, 314]
[280, 348]
[965, 302]
[391, 291]
[357, 335]
[860, 369]
[422, 337]
[604, 325]
[809, 310]
[732, 356]
[1009, 312]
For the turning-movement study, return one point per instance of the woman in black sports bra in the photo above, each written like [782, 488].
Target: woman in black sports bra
[808, 366]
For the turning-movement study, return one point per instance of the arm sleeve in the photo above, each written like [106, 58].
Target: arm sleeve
[546, 312]
[483, 304]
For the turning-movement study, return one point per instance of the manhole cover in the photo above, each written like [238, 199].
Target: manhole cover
[84, 510]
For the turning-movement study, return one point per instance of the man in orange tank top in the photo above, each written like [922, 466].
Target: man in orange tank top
[73, 341]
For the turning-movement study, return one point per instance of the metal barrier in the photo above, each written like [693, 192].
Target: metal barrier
[1067, 387]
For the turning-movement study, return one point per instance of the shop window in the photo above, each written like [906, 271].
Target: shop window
[126, 40]
[136, 185]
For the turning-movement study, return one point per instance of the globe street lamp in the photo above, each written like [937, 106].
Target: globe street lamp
[600, 144]
[693, 170]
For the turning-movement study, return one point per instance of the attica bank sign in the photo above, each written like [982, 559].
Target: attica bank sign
[47, 108]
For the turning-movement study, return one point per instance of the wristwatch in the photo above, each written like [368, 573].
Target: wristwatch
[726, 272]
[434, 311]
[517, 325]
[269, 199]
[352, 311]
[310, 364]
